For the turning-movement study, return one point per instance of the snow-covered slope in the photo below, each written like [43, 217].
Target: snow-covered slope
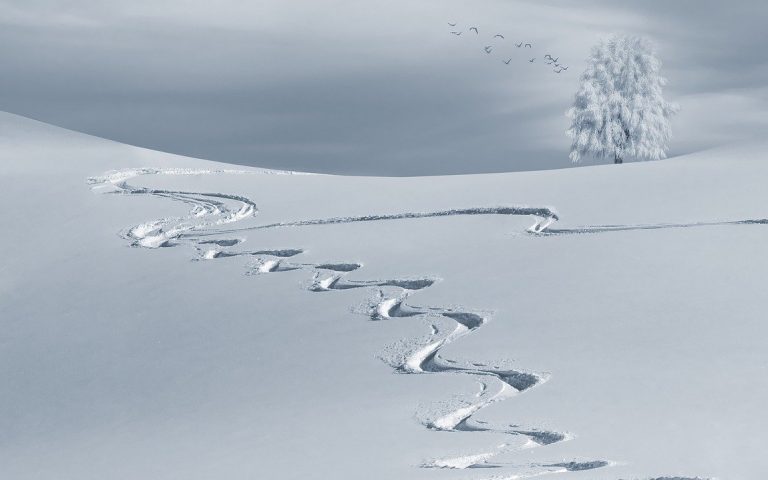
[315, 327]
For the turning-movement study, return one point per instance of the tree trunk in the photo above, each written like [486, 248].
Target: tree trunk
[617, 159]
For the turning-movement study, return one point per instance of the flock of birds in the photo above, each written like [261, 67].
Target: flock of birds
[548, 59]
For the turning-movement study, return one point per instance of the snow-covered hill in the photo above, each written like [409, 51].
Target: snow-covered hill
[591, 323]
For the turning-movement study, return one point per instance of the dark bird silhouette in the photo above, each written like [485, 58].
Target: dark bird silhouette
[488, 49]
[451, 24]
[456, 33]
[555, 59]
[548, 56]
[563, 68]
[528, 45]
[532, 60]
[518, 45]
[557, 71]
[507, 61]
[556, 64]
[549, 61]
[475, 29]
[499, 35]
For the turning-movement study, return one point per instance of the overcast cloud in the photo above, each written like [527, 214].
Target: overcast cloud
[366, 87]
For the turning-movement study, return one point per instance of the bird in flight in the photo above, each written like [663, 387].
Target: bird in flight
[518, 45]
[528, 45]
[507, 61]
[563, 68]
[475, 29]
[499, 35]
[456, 33]
[532, 60]
[451, 24]
[488, 49]
[549, 61]
[558, 71]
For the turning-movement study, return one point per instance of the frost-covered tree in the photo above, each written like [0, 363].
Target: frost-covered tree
[619, 111]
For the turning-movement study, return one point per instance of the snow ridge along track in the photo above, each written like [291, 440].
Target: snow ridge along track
[210, 226]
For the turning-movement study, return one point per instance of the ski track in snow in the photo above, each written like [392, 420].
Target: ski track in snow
[648, 226]
[208, 229]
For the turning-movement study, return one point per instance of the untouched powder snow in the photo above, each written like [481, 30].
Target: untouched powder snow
[166, 317]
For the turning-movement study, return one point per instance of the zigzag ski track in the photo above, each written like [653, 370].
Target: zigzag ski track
[211, 226]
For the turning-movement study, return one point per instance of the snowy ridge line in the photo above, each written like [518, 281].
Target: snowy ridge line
[118, 176]
[209, 227]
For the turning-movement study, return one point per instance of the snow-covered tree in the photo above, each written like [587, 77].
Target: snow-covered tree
[619, 111]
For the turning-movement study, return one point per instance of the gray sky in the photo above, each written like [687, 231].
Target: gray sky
[366, 86]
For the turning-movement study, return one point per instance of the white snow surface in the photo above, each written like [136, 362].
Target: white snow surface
[125, 355]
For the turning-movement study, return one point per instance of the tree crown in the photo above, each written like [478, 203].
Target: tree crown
[619, 110]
